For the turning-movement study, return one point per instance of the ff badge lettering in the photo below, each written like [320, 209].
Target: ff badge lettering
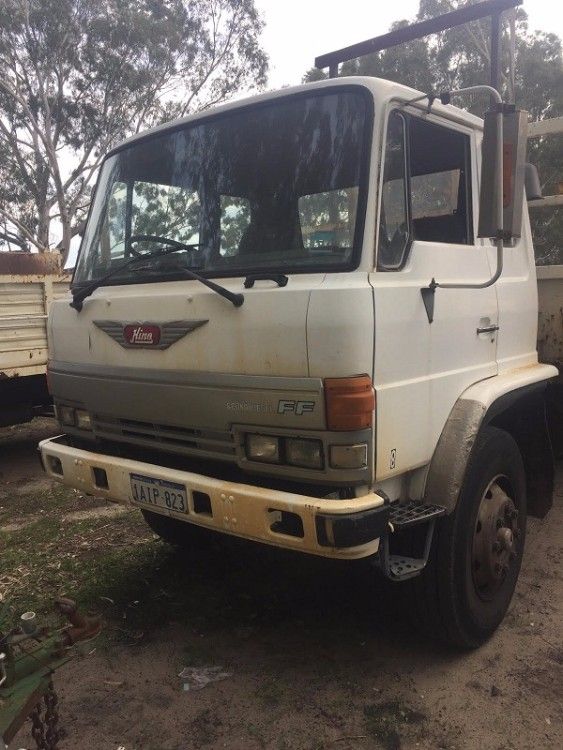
[148, 335]
[295, 407]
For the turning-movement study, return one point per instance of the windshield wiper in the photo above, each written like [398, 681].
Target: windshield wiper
[79, 295]
[160, 240]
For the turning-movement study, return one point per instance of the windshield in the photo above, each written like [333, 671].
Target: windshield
[274, 187]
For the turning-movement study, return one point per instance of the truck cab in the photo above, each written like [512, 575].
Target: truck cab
[249, 352]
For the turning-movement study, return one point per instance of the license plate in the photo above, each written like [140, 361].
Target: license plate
[159, 493]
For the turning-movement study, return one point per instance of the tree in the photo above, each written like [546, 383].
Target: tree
[77, 76]
[460, 57]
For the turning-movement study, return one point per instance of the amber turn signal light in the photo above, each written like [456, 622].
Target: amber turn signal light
[350, 403]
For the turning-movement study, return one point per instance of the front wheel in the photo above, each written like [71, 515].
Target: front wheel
[463, 594]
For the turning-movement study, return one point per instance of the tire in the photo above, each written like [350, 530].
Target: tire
[178, 533]
[465, 590]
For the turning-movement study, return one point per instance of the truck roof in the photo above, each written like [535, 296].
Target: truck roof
[382, 89]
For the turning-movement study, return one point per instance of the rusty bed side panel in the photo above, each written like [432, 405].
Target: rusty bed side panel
[550, 318]
[30, 264]
[29, 282]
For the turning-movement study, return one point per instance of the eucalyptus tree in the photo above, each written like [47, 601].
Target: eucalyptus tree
[76, 76]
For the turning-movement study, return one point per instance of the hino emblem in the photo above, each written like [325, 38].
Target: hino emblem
[137, 335]
[142, 334]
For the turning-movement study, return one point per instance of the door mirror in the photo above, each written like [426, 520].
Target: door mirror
[514, 140]
[532, 182]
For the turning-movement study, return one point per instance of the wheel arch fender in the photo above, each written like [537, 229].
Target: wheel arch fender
[514, 402]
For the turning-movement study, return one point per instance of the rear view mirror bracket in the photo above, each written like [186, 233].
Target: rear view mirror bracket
[532, 182]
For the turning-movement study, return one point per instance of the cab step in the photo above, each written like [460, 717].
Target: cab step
[412, 513]
[400, 567]
[404, 516]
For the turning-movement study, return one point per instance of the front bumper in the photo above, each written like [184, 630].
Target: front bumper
[346, 529]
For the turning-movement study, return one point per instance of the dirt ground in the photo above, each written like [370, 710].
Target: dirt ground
[319, 655]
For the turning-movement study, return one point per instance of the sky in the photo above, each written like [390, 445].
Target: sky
[298, 30]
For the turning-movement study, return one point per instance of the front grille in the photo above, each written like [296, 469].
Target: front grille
[186, 441]
[217, 469]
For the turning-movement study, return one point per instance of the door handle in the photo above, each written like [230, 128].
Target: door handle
[488, 329]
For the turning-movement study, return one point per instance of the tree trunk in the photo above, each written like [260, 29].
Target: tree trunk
[64, 244]
[43, 226]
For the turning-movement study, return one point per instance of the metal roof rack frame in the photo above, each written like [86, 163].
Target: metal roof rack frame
[490, 8]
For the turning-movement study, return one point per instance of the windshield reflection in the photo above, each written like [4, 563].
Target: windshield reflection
[276, 186]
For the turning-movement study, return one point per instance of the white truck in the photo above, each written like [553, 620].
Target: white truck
[29, 282]
[285, 327]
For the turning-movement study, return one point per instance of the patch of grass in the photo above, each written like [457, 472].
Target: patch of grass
[22, 500]
[19, 501]
[116, 566]
[384, 722]
[51, 557]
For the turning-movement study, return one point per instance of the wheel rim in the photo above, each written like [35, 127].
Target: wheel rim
[495, 538]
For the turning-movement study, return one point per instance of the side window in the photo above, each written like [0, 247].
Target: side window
[235, 219]
[394, 218]
[440, 180]
[426, 192]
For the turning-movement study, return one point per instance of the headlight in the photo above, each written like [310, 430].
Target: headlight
[66, 414]
[305, 453]
[83, 419]
[349, 456]
[263, 448]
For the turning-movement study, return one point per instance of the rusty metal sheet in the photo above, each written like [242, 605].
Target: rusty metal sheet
[30, 264]
[550, 319]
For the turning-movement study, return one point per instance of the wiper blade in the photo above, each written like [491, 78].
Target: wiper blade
[161, 240]
[236, 299]
[79, 295]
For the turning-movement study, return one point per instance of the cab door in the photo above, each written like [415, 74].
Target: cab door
[427, 230]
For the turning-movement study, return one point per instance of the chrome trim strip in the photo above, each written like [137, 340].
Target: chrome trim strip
[187, 377]
[195, 400]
